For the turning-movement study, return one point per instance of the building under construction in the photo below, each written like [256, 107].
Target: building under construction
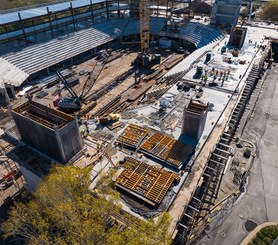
[149, 90]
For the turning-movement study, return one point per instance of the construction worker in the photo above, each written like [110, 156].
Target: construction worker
[87, 128]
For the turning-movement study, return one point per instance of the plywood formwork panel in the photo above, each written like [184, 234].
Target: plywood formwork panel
[167, 149]
[143, 180]
[132, 136]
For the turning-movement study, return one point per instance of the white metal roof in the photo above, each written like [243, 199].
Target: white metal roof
[10, 74]
[38, 57]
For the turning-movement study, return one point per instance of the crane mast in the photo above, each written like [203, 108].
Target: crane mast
[144, 14]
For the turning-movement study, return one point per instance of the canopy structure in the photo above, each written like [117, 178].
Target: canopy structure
[196, 33]
[41, 56]
[10, 74]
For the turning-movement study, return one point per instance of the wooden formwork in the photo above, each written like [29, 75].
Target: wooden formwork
[132, 135]
[145, 181]
[167, 149]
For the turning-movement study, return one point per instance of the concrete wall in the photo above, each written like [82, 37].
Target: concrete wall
[237, 36]
[38, 136]
[59, 144]
[71, 139]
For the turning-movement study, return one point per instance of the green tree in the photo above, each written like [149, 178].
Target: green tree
[265, 236]
[63, 211]
[270, 11]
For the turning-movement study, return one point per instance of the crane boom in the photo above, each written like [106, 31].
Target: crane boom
[68, 87]
[94, 74]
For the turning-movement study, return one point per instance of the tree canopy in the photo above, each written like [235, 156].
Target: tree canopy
[265, 236]
[270, 11]
[64, 211]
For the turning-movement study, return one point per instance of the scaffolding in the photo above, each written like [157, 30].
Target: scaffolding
[180, 12]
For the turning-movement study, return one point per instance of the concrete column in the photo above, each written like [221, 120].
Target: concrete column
[92, 11]
[4, 91]
[167, 9]
[118, 11]
[72, 15]
[23, 29]
[107, 9]
[157, 9]
[50, 22]
[12, 90]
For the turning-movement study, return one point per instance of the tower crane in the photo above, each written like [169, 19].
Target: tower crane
[141, 8]
[144, 14]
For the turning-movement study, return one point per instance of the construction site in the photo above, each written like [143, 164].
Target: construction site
[155, 92]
